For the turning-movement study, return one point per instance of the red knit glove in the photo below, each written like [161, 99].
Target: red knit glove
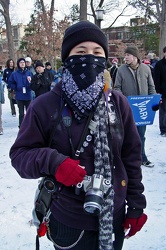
[135, 224]
[70, 173]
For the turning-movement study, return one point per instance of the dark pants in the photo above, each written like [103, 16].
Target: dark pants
[66, 236]
[162, 116]
[13, 110]
[141, 132]
[21, 105]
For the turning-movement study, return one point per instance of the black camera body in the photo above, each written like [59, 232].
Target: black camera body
[95, 187]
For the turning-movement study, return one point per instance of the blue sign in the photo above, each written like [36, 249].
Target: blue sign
[143, 108]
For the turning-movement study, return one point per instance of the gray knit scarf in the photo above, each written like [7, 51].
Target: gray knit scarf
[103, 167]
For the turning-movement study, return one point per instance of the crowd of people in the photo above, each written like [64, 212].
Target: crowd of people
[25, 82]
[82, 130]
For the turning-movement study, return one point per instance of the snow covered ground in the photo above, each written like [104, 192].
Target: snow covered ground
[16, 195]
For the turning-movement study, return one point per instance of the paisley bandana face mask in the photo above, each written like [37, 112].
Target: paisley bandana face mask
[83, 83]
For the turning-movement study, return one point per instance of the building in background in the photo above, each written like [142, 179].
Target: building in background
[18, 33]
[140, 33]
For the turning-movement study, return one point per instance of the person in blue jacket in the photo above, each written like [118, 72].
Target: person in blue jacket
[19, 81]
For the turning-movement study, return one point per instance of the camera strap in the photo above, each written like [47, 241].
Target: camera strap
[84, 134]
[67, 121]
[66, 116]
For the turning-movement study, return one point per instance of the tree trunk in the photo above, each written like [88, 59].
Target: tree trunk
[5, 13]
[49, 28]
[162, 21]
[83, 10]
[10, 38]
[162, 43]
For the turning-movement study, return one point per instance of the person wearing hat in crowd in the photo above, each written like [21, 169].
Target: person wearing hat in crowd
[94, 145]
[42, 80]
[19, 81]
[135, 78]
[49, 68]
[29, 66]
[113, 70]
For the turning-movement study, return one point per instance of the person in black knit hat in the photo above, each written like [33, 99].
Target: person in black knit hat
[42, 80]
[82, 32]
[85, 139]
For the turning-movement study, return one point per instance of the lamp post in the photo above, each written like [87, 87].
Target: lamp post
[99, 16]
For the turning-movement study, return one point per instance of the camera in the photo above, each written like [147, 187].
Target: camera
[95, 187]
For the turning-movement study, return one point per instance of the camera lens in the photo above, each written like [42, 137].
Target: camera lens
[93, 202]
[49, 185]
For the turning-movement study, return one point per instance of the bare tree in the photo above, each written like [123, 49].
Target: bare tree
[43, 36]
[154, 9]
[4, 10]
[108, 6]
[48, 24]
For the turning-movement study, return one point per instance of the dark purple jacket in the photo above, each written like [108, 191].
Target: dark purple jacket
[32, 158]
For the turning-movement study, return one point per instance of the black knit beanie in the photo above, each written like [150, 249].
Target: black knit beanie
[132, 50]
[83, 31]
[47, 64]
[19, 60]
[38, 63]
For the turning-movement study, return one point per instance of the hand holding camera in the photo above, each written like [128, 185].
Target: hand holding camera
[69, 172]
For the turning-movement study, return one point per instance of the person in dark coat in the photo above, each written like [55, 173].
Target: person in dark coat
[41, 81]
[19, 81]
[95, 145]
[10, 66]
[113, 70]
[160, 85]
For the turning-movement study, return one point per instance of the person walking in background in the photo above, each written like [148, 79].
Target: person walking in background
[42, 80]
[48, 67]
[11, 94]
[135, 78]
[19, 81]
[147, 62]
[160, 84]
[113, 70]
[2, 101]
[95, 140]
[29, 66]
